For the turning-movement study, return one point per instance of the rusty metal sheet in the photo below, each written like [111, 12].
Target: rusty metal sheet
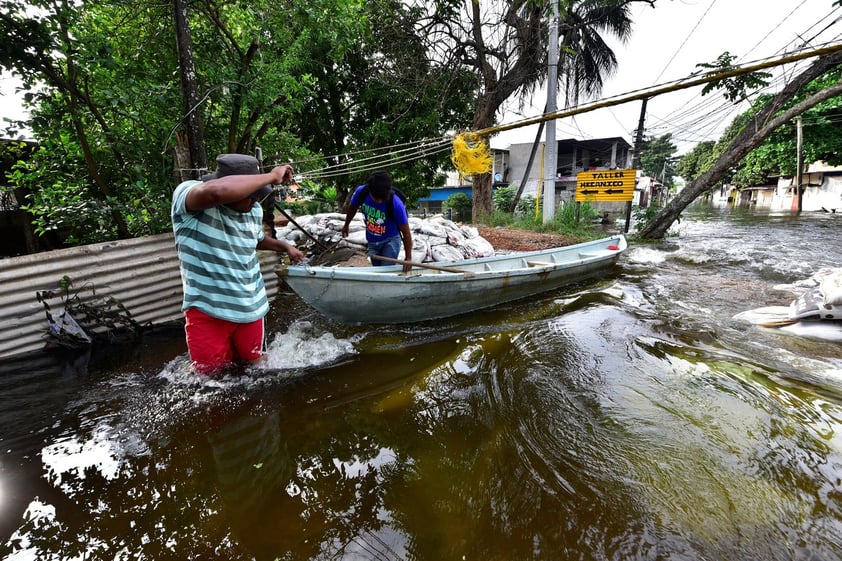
[141, 273]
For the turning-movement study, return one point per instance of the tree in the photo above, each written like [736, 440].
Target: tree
[195, 134]
[331, 77]
[374, 87]
[657, 158]
[43, 47]
[764, 121]
[694, 163]
[102, 98]
[505, 44]
[775, 155]
[737, 88]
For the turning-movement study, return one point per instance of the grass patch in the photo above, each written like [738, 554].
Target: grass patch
[565, 221]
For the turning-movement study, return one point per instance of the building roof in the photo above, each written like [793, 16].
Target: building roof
[593, 143]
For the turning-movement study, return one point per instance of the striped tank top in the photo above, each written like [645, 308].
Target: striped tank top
[220, 270]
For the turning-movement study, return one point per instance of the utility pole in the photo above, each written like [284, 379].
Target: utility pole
[638, 146]
[799, 162]
[550, 164]
[638, 134]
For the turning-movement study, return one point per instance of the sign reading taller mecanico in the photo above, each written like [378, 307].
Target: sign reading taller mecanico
[615, 185]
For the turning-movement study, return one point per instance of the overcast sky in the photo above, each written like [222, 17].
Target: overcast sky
[667, 43]
[10, 106]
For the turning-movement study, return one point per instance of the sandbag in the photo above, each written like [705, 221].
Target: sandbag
[446, 253]
[831, 288]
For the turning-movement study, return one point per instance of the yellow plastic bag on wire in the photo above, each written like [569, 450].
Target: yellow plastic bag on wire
[471, 154]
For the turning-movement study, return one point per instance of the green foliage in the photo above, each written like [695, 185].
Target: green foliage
[697, 161]
[97, 315]
[80, 213]
[313, 198]
[375, 86]
[525, 206]
[346, 79]
[461, 205]
[642, 215]
[499, 218]
[657, 158]
[571, 218]
[737, 87]
[571, 213]
[503, 197]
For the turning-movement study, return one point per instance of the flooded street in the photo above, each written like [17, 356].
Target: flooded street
[628, 417]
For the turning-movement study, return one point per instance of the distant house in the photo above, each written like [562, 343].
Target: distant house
[458, 184]
[648, 190]
[434, 203]
[17, 235]
[821, 185]
[572, 156]
[510, 168]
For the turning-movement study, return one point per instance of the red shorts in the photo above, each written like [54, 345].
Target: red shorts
[216, 343]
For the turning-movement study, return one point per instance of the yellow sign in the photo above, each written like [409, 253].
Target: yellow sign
[616, 185]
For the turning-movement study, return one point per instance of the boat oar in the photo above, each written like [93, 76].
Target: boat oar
[778, 323]
[297, 225]
[425, 265]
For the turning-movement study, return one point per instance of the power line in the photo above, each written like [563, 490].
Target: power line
[675, 54]
[691, 81]
[686, 116]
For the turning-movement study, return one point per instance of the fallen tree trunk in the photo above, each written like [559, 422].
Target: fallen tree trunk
[765, 122]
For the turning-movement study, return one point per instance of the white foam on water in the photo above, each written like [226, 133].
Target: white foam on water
[288, 355]
[646, 256]
[303, 347]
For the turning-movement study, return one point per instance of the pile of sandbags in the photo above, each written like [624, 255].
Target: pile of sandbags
[433, 239]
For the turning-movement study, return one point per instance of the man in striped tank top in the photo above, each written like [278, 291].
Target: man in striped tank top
[218, 226]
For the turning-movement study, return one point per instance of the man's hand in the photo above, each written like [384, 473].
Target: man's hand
[295, 254]
[282, 174]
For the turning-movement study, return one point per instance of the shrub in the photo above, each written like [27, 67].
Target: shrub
[462, 206]
[503, 197]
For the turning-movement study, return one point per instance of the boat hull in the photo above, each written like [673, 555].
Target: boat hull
[370, 295]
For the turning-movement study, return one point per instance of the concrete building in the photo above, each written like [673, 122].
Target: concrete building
[821, 184]
[509, 168]
[573, 156]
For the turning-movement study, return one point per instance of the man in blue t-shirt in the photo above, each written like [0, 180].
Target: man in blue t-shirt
[386, 221]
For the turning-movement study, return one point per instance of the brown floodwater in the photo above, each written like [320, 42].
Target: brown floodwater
[627, 417]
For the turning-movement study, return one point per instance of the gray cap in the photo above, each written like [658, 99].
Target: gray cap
[238, 164]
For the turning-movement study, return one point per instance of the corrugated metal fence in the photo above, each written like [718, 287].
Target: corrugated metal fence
[141, 273]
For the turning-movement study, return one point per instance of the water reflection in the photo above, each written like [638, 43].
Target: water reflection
[624, 418]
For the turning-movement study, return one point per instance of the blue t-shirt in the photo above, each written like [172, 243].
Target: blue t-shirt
[220, 270]
[377, 226]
